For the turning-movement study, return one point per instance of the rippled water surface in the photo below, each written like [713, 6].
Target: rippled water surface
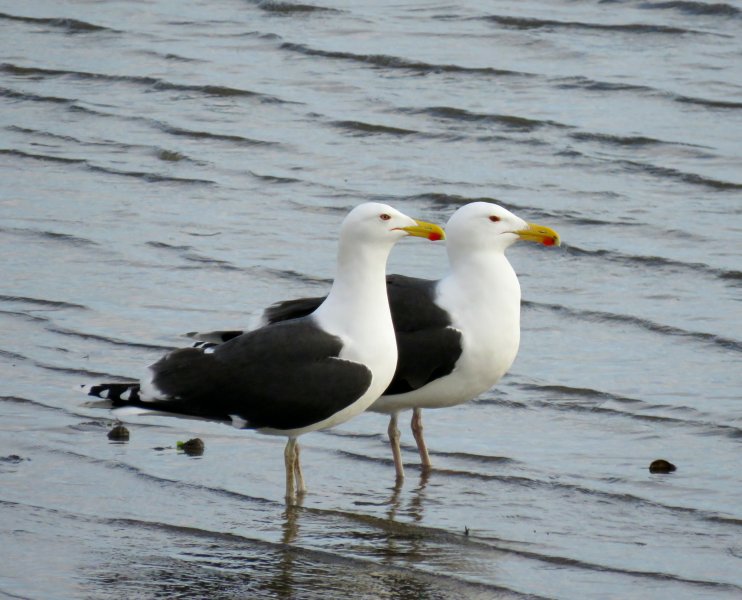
[170, 165]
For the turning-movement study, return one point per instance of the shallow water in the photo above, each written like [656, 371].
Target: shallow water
[170, 166]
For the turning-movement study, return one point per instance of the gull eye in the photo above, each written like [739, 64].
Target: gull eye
[494, 218]
[385, 217]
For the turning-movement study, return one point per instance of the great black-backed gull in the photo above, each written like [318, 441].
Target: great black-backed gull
[457, 336]
[297, 376]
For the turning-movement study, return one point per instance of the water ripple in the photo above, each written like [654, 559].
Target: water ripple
[362, 128]
[655, 261]
[395, 62]
[153, 83]
[41, 302]
[719, 9]
[69, 25]
[143, 175]
[293, 8]
[510, 122]
[601, 316]
[531, 23]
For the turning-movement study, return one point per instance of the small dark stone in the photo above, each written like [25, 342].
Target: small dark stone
[119, 434]
[12, 459]
[661, 466]
[194, 447]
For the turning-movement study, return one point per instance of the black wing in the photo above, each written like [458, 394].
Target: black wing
[291, 309]
[283, 376]
[427, 343]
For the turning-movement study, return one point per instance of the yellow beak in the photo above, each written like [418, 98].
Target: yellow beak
[427, 230]
[539, 233]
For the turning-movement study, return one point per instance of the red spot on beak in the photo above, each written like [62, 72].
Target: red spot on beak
[548, 241]
[434, 237]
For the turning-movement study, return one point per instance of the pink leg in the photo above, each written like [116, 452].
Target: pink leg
[289, 456]
[417, 431]
[301, 487]
[394, 436]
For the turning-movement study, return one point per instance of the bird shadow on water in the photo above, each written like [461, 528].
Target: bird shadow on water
[317, 553]
[283, 582]
[386, 538]
[415, 506]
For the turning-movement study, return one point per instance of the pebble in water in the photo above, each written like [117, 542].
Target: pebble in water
[119, 434]
[194, 447]
[661, 466]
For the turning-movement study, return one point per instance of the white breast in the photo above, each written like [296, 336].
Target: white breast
[484, 304]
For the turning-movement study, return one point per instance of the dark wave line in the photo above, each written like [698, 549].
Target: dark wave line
[41, 302]
[172, 130]
[291, 8]
[52, 236]
[187, 253]
[198, 135]
[590, 393]
[695, 8]
[52, 408]
[708, 102]
[275, 178]
[208, 261]
[670, 173]
[15, 95]
[164, 246]
[479, 458]
[107, 340]
[600, 316]
[169, 56]
[510, 122]
[362, 128]
[725, 521]
[81, 372]
[195, 267]
[355, 435]
[149, 177]
[655, 261]
[71, 25]
[24, 316]
[150, 82]
[49, 134]
[502, 402]
[394, 62]
[12, 355]
[564, 561]
[716, 428]
[13, 595]
[16, 400]
[42, 157]
[625, 140]
[529, 23]
[100, 375]
[595, 398]
[585, 83]
[296, 276]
